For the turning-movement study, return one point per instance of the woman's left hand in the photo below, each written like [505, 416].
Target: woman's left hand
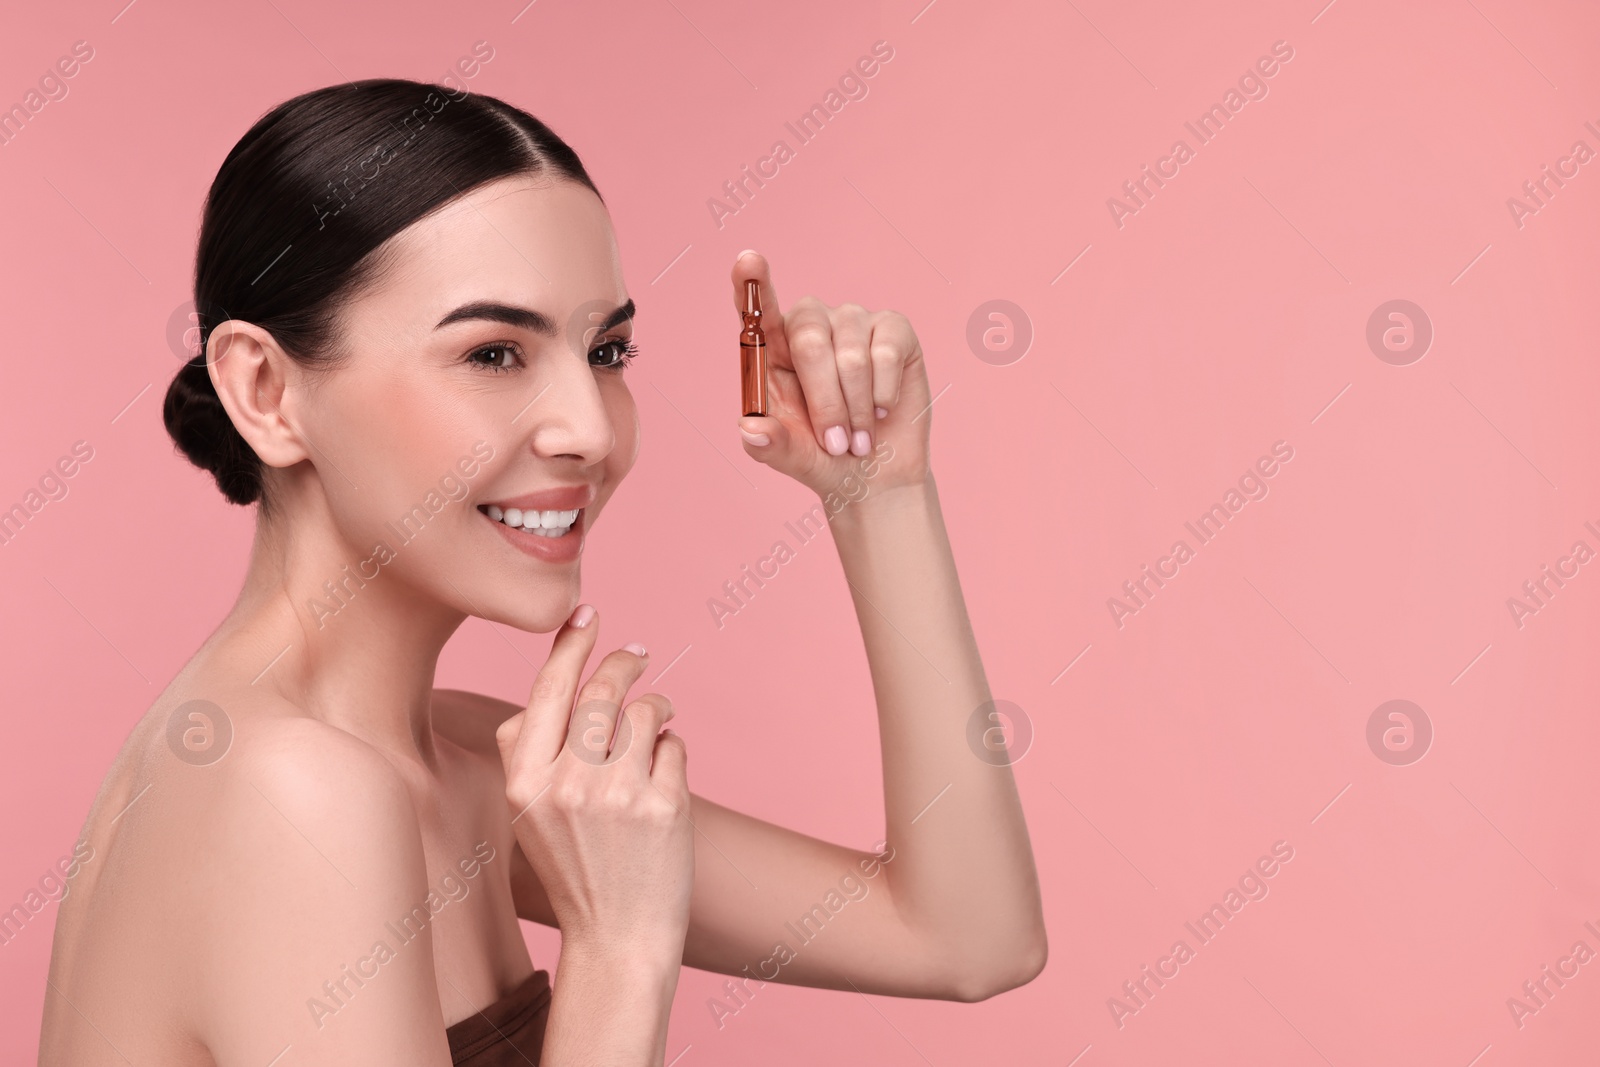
[830, 372]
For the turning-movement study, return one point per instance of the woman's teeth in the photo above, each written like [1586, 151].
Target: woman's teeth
[543, 523]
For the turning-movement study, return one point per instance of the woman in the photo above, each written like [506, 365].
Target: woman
[414, 328]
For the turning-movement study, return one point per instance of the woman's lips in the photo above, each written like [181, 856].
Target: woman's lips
[559, 498]
[563, 549]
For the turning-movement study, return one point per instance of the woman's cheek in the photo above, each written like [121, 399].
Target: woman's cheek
[626, 422]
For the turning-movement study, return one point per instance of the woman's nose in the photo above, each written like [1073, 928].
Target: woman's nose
[569, 417]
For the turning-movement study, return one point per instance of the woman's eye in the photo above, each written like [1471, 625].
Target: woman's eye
[499, 357]
[614, 354]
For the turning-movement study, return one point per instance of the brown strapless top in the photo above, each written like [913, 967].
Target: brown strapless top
[509, 1031]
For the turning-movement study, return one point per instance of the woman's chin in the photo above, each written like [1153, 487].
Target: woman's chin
[538, 620]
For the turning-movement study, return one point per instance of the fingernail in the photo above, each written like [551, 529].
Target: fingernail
[755, 438]
[583, 616]
[882, 413]
[636, 648]
[835, 441]
[860, 443]
[746, 252]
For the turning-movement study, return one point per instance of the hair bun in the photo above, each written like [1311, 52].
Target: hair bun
[197, 421]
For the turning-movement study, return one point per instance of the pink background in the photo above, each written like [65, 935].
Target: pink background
[1227, 314]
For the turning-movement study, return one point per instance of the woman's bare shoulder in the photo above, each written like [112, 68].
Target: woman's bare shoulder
[242, 753]
[471, 719]
[268, 849]
[299, 781]
[319, 847]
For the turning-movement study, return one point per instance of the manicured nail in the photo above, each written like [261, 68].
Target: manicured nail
[882, 413]
[583, 616]
[755, 438]
[835, 441]
[860, 443]
[746, 252]
[636, 648]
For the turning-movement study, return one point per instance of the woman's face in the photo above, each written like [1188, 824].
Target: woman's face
[484, 374]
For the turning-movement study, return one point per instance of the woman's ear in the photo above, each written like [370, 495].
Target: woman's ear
[251, 375]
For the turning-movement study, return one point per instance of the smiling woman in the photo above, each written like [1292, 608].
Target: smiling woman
[473, 296]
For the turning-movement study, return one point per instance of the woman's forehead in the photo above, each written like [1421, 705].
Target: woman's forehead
[513, 241]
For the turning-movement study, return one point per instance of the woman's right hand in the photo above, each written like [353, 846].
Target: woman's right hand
[600, 802]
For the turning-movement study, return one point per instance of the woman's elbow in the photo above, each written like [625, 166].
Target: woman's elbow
[1002, 972]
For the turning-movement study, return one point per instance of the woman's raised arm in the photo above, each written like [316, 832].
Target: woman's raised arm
[949, 906]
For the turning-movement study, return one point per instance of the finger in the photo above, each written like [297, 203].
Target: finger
[809, 331]
[646, 717]
[893, 341]
[533, 736]
[767, 438]
[594, 732]
[852, 341]
[669, 768]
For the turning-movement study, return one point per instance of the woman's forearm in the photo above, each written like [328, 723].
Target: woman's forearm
[963, 868]
[609, 1009]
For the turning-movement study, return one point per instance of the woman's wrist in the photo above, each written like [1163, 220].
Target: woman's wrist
[630, 965]
[609, 1004]
[899, 499]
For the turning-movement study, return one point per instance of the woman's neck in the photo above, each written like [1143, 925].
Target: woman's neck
[348, 640]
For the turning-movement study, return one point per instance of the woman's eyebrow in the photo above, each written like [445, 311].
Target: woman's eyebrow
[527, 318]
